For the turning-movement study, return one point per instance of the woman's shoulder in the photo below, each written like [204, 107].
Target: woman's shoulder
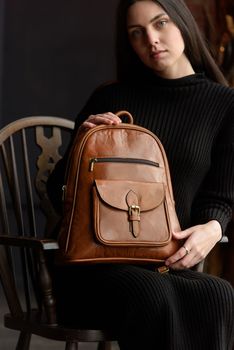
[220, 88]
[107, 86]
[113, 86]
[221, 95]
[101, 99]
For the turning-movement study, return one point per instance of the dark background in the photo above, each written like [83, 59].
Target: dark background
[53, 53]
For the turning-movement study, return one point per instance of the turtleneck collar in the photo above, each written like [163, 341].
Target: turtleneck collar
[192, 79]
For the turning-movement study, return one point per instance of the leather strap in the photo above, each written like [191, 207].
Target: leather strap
[133, 213]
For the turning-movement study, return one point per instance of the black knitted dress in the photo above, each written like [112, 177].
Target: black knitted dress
[181, 310]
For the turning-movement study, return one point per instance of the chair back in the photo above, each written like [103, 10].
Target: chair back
[29, 149]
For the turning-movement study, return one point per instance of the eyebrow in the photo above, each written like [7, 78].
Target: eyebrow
[152, 20]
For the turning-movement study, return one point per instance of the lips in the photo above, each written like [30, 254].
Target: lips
[156, 54]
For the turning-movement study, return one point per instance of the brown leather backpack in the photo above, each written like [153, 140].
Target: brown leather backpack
[118, 204]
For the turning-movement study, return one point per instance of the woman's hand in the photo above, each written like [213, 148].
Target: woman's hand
[98, 119]
[199, 240]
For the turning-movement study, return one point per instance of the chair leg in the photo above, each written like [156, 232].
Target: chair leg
[104, 345]
[71, 345]
[23, 341]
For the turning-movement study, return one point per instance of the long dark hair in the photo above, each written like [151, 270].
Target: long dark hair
[129, 65]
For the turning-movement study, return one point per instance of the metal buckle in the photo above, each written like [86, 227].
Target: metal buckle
[134, 208]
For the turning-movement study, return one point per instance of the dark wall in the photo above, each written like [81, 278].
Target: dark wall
[54, 54]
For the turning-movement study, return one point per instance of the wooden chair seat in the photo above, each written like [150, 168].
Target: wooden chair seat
[34, 324]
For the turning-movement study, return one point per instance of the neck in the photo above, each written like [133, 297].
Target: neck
[182, 69]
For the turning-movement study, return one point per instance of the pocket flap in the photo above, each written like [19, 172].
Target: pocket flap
[114, 193]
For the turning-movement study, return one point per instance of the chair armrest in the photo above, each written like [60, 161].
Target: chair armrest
[41, 245]
[29, 242]
[224, 239]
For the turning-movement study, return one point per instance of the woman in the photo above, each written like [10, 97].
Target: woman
[171, 85]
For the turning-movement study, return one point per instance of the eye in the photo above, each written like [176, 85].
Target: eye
[135, 33]
[162, 23]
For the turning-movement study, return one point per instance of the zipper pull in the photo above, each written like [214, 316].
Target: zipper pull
[91, 163]
[64, 187]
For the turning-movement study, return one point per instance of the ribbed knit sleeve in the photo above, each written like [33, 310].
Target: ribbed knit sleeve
[216, 197]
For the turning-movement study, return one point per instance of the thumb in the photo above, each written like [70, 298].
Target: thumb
[182, 234]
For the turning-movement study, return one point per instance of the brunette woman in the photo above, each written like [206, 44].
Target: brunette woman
[171, 85]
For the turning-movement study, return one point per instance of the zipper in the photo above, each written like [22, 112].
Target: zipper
[120, 160]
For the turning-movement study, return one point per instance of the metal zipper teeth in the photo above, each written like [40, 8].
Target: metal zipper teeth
[121, 160]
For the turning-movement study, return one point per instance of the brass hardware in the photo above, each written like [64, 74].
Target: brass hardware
[91, 163]
[133, 208]
[134, 219]
[163, 269]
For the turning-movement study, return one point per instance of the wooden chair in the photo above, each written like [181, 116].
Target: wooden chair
[220, 261]
[29, 150]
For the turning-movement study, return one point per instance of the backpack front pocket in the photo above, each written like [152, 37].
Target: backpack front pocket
[128, 213]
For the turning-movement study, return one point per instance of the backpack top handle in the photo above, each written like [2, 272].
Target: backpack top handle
[125, 113]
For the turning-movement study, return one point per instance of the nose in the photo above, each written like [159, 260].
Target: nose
[152, 37]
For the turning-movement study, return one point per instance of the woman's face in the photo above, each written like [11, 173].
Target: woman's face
[156, 40]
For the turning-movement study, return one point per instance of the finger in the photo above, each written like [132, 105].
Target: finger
[183, 234]
[88, 125]
[104, 118]
[91, 123]
[186, 263]
[114, 116]
[180, 254]
[99, 119]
